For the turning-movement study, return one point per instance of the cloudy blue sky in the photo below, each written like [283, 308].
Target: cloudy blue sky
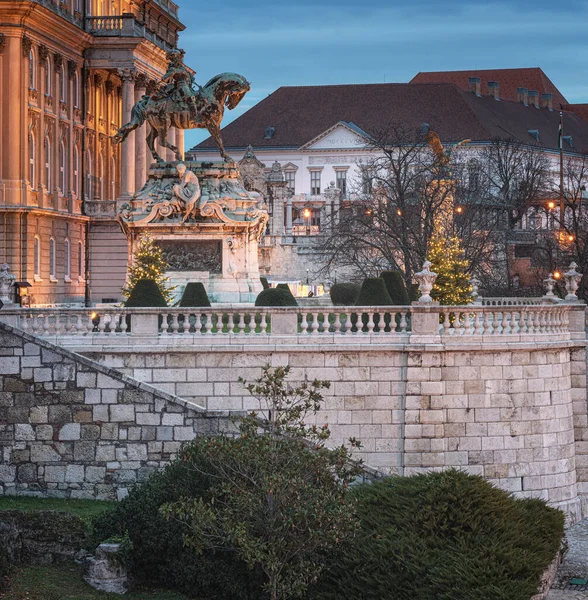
[311, 42]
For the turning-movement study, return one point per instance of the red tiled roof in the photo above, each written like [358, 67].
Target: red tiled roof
[508, 79]
[300, 114]
[580, 109]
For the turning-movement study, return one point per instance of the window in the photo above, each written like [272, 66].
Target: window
[101, 177]
[32, 153]
[291, 181]
[76, 90]
[63, 85]
[112, 178]
[342, 182]
[80, 261]
[315, 183]
[51, 259]
[76, 173]
[32, 71]
[48, 78]
[89, 192]
[67, 253]
[366, 182]
[62, 169]
[37, 259]
[47, 178]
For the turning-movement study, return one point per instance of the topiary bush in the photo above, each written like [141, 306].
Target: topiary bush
[194, 295]
[264, 283]
[158, 554]
[373, 292]
[395, 285]
[275, 297]
[146, 294]
[443, 536]
[344, 294]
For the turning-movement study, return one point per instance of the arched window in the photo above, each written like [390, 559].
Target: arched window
[76, 90]
[51, 258]
[47, 158]
[101, 177]
[80, 260]
[62, 85]
[32, 71]
[48, 86]
[67, 257]
[62, 168]
[89, 191]
[37, 258]
[113, 178]
[32, 161]
[76, 173]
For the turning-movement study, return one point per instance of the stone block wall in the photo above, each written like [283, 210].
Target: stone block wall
[70, 427]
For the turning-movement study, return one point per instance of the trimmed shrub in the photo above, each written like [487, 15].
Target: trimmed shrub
[194, 295]
[344, 294]
[443, 536]
[395, 286]
[285, 287]
[264, 283]
[373, 292]
[275, 297]
[413, 292]
[158, 554]
[146, 294]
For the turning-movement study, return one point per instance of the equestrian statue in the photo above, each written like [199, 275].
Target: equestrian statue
[178, 104]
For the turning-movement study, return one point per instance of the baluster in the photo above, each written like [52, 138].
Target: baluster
[304, 323]
[533, 322]
[263, 323]
[523, 321]
[123, 323]
[208, 326]
[185, 323]
[477, 325]
[446, 321]
[543, 321]
[504, 322]
[102, 324]
[315, 324]
[346, 324]
[175, 325]
[241, 323]
[403, 323]
[230, 323]
[198, 324]
[34, 323]
[549, 320]
[23, 322]
[46, 324]
[486, 322]
[337, 322]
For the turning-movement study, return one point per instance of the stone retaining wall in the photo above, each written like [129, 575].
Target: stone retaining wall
[70, 427]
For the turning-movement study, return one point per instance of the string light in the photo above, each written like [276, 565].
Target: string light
[452, 286]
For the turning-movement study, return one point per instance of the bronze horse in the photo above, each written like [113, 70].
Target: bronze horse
[226, 89]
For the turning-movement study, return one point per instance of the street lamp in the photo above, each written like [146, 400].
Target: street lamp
[307, 214]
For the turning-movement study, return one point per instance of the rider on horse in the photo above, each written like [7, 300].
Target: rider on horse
[179, 82]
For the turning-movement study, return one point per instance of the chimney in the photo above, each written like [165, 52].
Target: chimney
[475, 85]
[533, 96]
[493, 89]
[547, 101]
[522, 96]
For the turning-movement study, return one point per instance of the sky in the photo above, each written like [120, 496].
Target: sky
[319, 42]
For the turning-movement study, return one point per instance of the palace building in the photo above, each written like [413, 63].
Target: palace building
[70, 72]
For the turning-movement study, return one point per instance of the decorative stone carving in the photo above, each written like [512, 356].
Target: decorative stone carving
[98, 79]
[475, 283]
[58, 61]
[201, 255]
[105, 571]
[27, 45]
[252, 171]
[141, 81]
[549, 283]
[6, 282]
[572, 278]
[2, 42]
[276, 174]
[425, 279]
[72, 68]
[43, 54]
[109, 87]
[127, 74]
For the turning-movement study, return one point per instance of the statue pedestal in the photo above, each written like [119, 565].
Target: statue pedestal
[212, 239]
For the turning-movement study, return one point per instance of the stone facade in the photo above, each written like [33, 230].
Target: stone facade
[72, 428]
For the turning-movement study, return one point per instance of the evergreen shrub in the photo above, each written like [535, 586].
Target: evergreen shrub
[275, 297]
[194, 295]
[264, 283]
[344, 294]
[146, 294]
[286, 288]
[443, 536]
[394, 282]
[158, 554]
[373, 292]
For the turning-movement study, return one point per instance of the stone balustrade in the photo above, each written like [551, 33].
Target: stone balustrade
[522, 301]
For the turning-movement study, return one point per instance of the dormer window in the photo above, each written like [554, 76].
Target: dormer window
[568, 140]
[534, 133]
[269, 133]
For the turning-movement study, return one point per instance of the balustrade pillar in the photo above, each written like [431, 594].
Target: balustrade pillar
[289, 216]
[128, 146]
[140, 138]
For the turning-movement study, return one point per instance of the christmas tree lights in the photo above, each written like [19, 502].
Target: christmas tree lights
[452, 286]
[149, 263]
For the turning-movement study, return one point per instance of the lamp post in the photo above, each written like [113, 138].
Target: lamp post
[307, 214]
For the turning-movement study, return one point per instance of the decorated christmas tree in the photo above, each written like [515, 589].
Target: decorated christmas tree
[452, 286]
[149, 263]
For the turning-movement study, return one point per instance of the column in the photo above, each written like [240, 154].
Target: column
[289, 216]
[127, 188]
[180, 141]
[140, 138]
[171, 138]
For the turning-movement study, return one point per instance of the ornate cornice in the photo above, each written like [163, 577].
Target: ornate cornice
[72, 68]
[27, 45]
[109, 85]
[141, 81]
[58, 61]
[127, 75]
[98, 79]
[43, 54]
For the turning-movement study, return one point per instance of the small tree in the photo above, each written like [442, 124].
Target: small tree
[453, 285]
[279, 496]
[149, 263]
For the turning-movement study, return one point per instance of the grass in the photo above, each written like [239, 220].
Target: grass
[80, 508]
[65, 582]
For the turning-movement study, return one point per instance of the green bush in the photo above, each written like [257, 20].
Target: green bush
[443, 536]
[146, 294]
[395, 286]
[158, 554]
[276, 297]
[344, 294]
[194, 295]
[373, 292]
[286, 288]
[264, 283]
